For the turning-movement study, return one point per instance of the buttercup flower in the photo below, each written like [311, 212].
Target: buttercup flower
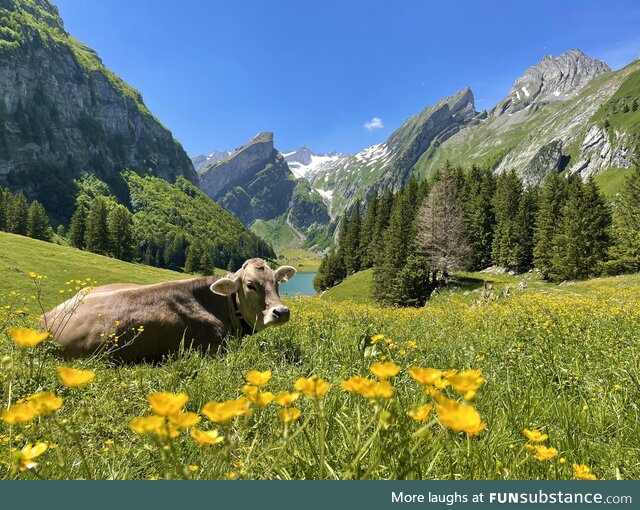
[428, 377]
[72, 377]
[256, 378]
[535, 435]
[223, 412]
[23, 459]
[183, 420]
[289, 415]
[147, 424]
[27, 337]
[368, 388]
[206, 437]
[467, 380]
[312, 387]
[583, 472]
[285, 399]
[421, 413]
[544, 453]
[458, 417]
[164, 403]
[385, 370]
[259, 399]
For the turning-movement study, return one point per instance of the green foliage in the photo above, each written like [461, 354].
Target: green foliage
[18, 215]
[479, 216]
[96, 237]
[121, 233]
[506, 204]
[78, 227]
[547, 224]
[37, 222]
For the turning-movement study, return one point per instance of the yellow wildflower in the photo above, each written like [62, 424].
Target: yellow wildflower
[45, 402]
[259, 399]
[544, 453]
[147, 425]
[376, 338]
[535, 435]
[72, 377]
[458, 417]
[164, 403]
[27, 337]
[19, 413]
[313, 387]
[385, 370]
[368, 388]
[23, 460]
[222, 412]
[285, 399]
[257, 378]
[467, 380]
[206, 437]
[289, 414]
[193, 468]
[183, 420]
[428, 377]
[583, 472]
[421, 413]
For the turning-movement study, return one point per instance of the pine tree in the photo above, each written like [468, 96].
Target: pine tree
[121, 233]
[505, 204]
[330, 273]
[77, 228]
[207, 266]
[192, 262]
[97, 230]
[368, 232]
[4, 197]
[18, 215]
[38, 223]
[625, 250]
[350, 245]
[581, 245]
[552, 200]
[441, 235]
[525, 223]
[376, 247]
[60, 231]
[479, 217]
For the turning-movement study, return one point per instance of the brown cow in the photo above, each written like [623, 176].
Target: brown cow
[136, 322]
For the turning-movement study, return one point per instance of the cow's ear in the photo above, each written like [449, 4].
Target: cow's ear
[225, 286]
[285, 273]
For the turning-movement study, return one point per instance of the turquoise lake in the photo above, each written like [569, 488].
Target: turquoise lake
[300, 285]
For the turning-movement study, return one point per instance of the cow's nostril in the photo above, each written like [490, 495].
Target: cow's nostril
[276, 314]
[280, 312]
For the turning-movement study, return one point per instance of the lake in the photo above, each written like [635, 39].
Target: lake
[300, 285]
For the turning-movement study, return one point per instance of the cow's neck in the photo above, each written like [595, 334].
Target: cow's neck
[247, 329]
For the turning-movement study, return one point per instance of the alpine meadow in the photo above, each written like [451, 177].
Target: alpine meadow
[469, 282]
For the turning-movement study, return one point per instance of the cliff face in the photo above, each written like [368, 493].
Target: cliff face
[63, 114]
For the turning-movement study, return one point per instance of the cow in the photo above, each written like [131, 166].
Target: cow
[146, 322]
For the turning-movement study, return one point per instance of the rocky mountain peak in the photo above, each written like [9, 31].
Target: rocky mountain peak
[461, 104]
[303, 156]
[557, 78]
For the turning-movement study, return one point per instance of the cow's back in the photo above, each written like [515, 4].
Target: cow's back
[140, 321]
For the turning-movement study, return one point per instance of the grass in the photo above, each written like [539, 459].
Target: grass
[612, 180]
[561, 359]
[20, 255]
[356, 288]
[304, 261]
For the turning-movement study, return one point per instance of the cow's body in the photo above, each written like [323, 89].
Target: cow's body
[135, 322]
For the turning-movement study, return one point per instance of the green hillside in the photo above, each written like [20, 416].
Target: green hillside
[21, 255]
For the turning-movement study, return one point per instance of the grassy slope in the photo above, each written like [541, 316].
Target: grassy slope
[20, 255]
[563, 361]
[356, 288]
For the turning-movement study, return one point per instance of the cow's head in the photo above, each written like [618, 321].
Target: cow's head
[256, 286]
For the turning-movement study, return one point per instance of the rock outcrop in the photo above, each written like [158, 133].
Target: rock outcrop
[63, 114]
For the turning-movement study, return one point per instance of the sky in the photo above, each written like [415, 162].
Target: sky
[336, 75]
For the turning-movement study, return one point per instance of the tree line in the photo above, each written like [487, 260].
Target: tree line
[18, 216]
[457, 220]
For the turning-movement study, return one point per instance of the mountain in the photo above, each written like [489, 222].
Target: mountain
[63, 114]
[256, 184]
[566, 113]
[303, 162]
[199, 162]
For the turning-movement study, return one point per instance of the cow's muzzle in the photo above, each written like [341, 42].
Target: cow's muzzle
[279, 315]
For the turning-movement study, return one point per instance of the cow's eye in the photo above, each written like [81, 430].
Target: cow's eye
[251, 286]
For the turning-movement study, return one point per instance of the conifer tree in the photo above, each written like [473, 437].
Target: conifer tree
[625, 250]
[368, 232]
[552, 200]
[376, 247]
[97, 230]
[192, 262]
[77, 228]
[4, 195]
[505, 204]
[441, 233]
[18, 215]
[38, 223]
[350, 245]
[525, 223]
[207, 266]
[479, 217]
[121, 233]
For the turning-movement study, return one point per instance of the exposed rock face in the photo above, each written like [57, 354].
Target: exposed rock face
[599, 152]
[63, 114]
[199, 162]
[303, 156]
[546, 161]
[553, 78]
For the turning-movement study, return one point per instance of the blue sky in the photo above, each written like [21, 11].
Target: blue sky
[335, 75]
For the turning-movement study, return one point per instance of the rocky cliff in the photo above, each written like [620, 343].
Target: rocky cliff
[64, 114]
